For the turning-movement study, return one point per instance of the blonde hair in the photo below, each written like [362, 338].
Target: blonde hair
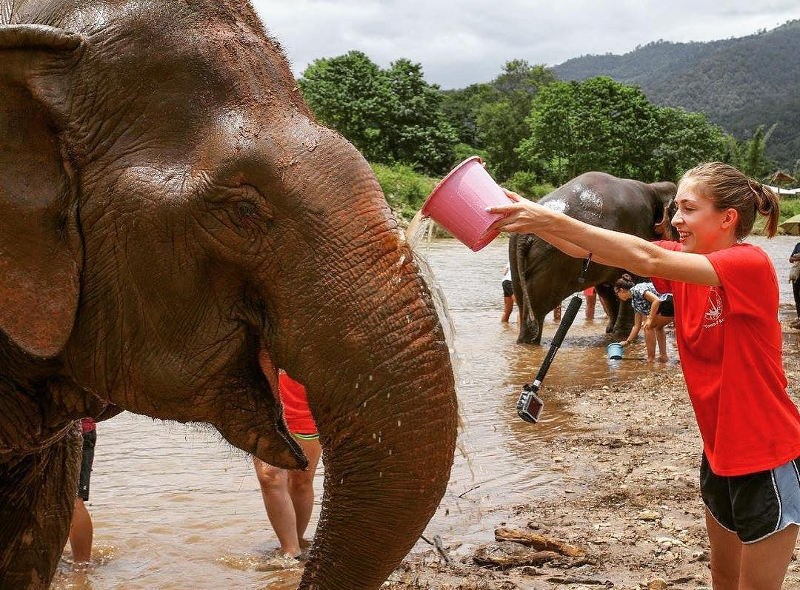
[728, 188]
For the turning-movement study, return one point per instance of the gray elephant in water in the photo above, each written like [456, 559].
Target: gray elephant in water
[543, 276]
[168, 208]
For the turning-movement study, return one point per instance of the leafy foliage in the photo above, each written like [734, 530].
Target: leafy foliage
[603, 125]
[740, 83]
[389, 115]
[492, 116]
[405, 190]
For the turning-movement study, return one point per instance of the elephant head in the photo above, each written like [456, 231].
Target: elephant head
[169, 207]
[543, 275]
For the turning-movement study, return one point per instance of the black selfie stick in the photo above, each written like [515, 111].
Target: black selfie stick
[529, 405]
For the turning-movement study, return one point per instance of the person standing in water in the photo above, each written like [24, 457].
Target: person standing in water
[653, 313]
[289, 494]
[508, 294]
[81, 530]
[729, 341]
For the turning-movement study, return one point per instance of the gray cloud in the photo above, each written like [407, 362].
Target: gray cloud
[468, 41]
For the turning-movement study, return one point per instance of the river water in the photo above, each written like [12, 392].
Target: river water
[176, 507]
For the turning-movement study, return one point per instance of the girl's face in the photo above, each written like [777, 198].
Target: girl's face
[623, 294]
[702, 227]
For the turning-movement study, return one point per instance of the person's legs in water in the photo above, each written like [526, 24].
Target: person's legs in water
[557, 313]
[280, 510]
[289, 498]
[650, 342]
[81, 532]
[301, 488]
[508, 301]
[591, 301]
[659, 323]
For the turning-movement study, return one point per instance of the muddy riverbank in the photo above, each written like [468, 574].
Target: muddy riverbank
[174, 506]
[628, 500]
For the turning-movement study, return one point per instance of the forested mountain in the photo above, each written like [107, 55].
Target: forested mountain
[739, 83]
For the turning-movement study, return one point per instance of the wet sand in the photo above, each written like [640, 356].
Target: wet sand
[627, 497]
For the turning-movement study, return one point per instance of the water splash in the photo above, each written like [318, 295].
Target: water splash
[417, 229]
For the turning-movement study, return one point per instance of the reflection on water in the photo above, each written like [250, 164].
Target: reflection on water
[175, 507]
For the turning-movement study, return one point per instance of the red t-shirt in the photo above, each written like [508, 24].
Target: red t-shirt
[729, 341]
[295, 405]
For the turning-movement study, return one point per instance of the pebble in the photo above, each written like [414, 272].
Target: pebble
[648, 515]
[658, 584]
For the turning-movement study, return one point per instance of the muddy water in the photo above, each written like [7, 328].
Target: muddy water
[175, 507]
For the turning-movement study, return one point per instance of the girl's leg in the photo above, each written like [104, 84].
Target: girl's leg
[301, 486]
[280, 510]
[764, 563]
[650, 342]
[661, 336]
[726, 555]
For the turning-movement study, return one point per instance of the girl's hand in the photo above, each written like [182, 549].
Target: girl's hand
[521, 215]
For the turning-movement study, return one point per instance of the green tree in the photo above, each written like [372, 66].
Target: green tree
[351, 94]
[460, 108]
[501, 124]
[755, 162]
[686, 140]
[599, 124]
[390, 115]
[417, 131]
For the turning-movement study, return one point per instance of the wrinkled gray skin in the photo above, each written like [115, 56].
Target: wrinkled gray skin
[168, 206]
[543, 276]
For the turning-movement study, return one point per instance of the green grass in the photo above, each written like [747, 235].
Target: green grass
[789, 206]
[404, 189]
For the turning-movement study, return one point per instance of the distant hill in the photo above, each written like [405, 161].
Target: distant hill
[739, 83]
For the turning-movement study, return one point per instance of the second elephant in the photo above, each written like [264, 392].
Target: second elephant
[543, 275]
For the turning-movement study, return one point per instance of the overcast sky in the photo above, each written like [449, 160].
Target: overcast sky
[466, 41]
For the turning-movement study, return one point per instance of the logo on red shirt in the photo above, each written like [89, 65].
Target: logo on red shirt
[713, 316]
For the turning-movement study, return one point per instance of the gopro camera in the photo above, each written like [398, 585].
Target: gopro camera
[529, 406]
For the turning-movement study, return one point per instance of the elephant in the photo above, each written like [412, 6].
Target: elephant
[169, 207]
[542, 276]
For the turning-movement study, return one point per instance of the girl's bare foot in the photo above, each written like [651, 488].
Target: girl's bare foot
[663, 358]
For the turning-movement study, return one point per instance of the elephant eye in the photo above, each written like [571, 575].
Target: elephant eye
[247, 211]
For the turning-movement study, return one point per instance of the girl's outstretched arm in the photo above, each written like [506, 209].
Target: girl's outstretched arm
[612, 248]
[637, 325]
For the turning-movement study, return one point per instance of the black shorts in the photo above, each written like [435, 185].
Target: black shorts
[666, 308]
[508, 289]
[756, 505]
[89, 439]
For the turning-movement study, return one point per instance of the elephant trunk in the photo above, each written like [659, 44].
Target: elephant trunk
[365, 339]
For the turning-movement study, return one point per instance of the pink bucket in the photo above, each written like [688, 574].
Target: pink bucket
[459, 201]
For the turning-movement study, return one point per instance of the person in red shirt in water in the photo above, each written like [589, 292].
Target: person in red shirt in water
[289, 494]
[729, 342]
[81, 529]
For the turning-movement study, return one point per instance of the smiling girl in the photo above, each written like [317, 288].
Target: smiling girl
[729, 342]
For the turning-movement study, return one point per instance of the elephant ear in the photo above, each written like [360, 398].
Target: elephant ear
[40, 249]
